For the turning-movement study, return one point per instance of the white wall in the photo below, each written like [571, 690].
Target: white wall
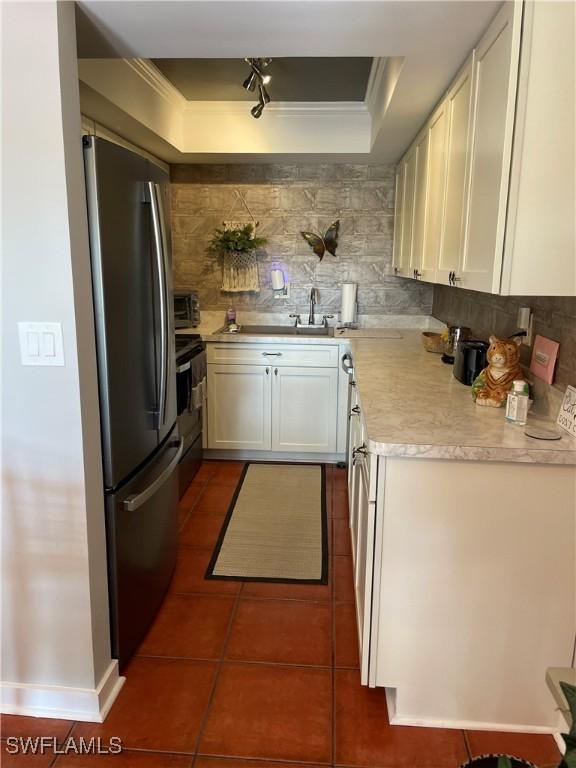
[55, 626]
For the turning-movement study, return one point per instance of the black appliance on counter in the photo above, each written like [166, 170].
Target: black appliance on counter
[470, 359]
[128, 201]
[186, 310]
[190, 367]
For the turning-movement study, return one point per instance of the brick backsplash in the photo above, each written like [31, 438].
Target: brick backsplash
[554, 317]
[287, 199]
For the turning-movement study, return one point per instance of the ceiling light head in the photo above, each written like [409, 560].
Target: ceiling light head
[263, 95]
[257, 110]
[258, 78]
[250, 83]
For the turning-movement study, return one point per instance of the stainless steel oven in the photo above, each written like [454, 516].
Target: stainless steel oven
[190, 365]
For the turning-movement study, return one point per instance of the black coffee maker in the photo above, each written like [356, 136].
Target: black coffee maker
[469, 359]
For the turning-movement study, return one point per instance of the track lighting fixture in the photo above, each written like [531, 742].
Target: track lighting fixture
[259, 77]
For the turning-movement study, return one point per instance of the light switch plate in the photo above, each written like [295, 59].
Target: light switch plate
[41, 343]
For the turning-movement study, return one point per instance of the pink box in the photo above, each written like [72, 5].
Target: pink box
[544, 356]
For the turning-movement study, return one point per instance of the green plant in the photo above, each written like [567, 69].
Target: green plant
[569, 759]
[237, 240]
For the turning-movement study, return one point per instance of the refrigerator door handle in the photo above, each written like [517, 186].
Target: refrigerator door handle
[159, 228]
[137, 500]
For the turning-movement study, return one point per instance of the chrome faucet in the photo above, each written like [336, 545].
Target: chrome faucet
[312, 305]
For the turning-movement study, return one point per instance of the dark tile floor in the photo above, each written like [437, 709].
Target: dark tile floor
[252, 675]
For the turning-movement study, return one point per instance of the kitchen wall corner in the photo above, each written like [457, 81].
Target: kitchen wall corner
[286, 199]
[554, 317]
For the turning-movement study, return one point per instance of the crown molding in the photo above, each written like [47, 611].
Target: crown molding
[156, 80]
[374, 81]
[280, 108]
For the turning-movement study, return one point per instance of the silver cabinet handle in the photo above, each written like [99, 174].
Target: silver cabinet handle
[183, 368]
[347, 364]
[267, 371]
[275, 371]
[360, 451]
[355, 409]
[272, 354]
[137, 500]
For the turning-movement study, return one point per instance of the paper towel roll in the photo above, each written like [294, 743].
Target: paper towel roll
[277, 279]
[348, 303]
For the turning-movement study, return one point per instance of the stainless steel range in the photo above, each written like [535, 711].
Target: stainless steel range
[190, 381]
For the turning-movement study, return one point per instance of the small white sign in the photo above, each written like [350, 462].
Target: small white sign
[567, 416]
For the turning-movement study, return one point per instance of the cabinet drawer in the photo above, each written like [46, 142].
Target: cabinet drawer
[302, 355]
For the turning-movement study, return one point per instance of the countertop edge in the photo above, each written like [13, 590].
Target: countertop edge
[471, 453]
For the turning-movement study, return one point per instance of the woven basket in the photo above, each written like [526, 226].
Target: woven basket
[433, 342]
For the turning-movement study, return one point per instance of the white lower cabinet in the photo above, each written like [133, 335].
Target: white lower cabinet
[239, 407]
[442, 587]
[363, 473]
[273, 406]
[304, 407]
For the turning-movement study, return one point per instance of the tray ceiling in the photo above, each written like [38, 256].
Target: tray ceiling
[301, 79]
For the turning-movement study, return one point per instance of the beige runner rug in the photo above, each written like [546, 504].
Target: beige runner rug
[276, 527]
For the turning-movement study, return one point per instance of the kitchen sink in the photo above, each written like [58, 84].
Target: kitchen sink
[280, 330]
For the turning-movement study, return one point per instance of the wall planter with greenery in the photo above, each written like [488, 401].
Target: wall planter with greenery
[237, 245]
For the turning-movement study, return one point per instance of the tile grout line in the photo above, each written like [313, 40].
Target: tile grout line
[467, 744]
[220, 664]
[284, 664]
[194, 504]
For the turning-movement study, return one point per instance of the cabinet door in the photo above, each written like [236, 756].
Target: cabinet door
[363, 533]
[304, 409]
[458, 107]
[495, 80]
[420, 205]
[436, 185]
[239, 407]
[408, 169]
[398, 208]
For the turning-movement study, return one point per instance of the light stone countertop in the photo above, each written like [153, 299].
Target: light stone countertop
[414, 407]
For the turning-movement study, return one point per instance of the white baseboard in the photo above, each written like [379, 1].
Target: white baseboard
[305, 458]
[466, 725]
[87, 704]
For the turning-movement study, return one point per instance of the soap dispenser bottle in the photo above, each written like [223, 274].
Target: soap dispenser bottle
[517, 403]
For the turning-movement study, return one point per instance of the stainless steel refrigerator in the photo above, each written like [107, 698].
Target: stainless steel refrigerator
[128, 213]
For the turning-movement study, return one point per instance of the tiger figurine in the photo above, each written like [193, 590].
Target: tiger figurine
[491, 386]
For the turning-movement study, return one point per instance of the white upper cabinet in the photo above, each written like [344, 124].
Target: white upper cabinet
[495, 78]
[458, 107]
[437, 135]
[420, 204]
[540, 246]
[407, 227]
[495, 209]
[398, 219]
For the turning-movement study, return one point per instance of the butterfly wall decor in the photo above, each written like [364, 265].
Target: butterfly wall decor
[321, 244]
